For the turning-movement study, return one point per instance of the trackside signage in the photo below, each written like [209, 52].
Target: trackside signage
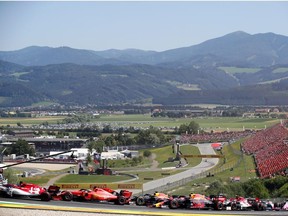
[68, 186]
[100, 185]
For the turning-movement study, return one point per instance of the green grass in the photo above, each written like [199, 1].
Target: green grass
[40, 180]
[162, 155]
[273, 81]
[208, 123]
[280, 70]
[18, 74]
[30, 121]
[66, 92]
[233, 70]
[72, 178]
[43, 104]
[191, 150]
[189, 87]
[144, 121]
[245, 169]
[153, 175]
[3, 99]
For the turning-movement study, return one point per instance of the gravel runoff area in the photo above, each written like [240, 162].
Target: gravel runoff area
[32, 212]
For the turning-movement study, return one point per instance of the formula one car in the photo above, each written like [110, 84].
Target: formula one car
[56, 194]
[242, 203]
[152, 200]
[25, 189]
[219, 201]
[281, 206]
[102, 195]
[193, 201]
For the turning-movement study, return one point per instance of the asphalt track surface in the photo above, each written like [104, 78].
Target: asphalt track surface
[111, 209]
[206, 164]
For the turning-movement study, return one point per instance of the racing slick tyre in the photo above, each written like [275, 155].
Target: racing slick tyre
[121, 200]
[255, 206]
[173, 204]
[140, 201]
[45, 196]
[67, 196]
[233, 207]
[219, 206]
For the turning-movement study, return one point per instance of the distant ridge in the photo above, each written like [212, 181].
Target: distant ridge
[238, 47]
[235, 69]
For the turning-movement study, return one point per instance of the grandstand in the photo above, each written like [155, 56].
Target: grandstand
[269, 147]
[225, 136]
[270, 150]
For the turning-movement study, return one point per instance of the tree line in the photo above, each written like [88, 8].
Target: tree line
[261, 188]
[109, 137]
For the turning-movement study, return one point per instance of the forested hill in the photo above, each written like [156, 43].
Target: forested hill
[265, 94]
[80, 84]
[237, 48]
[237, 68]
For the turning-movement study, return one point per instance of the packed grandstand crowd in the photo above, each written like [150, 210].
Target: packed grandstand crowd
[269, 146]
[214, 137]
[270, 150]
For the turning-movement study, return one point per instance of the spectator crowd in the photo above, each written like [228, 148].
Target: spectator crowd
[225, 136]
[269, 146]
[270, 150]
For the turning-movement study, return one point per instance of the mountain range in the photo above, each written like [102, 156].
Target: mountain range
[238, 68]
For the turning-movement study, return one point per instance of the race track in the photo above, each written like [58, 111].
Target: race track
[111, 209]
[206, 164]
[57, 208]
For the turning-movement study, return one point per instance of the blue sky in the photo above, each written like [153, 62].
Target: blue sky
[147, 25]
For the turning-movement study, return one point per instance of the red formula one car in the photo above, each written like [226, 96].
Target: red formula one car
[56, 194]
[219, 201]
[25, 189]
[102, 194]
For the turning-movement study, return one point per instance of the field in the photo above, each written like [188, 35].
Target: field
[233, 70]
[280, 70]
[207, 124]
[30, 121]
[144, 121]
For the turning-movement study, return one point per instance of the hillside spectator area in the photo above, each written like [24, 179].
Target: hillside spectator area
[270, 150]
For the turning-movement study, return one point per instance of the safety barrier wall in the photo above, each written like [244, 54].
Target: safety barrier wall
[113, 186]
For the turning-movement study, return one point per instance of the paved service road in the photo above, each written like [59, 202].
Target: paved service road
[206, 164]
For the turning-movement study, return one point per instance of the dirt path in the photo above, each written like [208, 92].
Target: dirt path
[154, 162]
[53, 180]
